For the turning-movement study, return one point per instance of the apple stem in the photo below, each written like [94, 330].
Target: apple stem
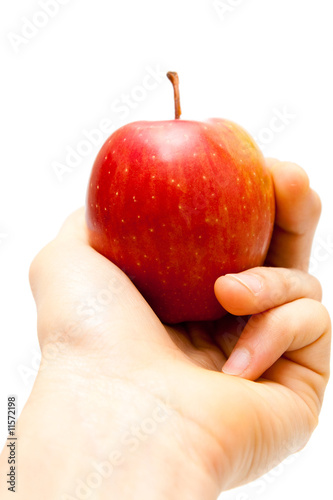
[173, 77]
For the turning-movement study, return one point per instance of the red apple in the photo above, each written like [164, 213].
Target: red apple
[176, 204]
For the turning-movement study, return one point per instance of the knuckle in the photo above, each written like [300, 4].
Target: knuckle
[326, 318]
[305, 285]
[316, 288]
[291, 284]
[284, 282]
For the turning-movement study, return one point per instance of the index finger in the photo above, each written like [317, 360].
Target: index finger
[298, 209]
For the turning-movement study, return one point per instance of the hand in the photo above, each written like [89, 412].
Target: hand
[126, 407]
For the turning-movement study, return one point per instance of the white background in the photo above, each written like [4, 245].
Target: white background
[246, 61]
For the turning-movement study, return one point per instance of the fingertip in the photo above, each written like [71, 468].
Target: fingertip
[270, 162]
[290, 179]
[316, 204]
[238, 362]
[74, 226]
[236, 293]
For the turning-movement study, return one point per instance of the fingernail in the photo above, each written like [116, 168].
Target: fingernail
[250, 281]
[238, 361]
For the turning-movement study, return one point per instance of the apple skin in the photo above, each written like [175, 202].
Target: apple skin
[176, 204]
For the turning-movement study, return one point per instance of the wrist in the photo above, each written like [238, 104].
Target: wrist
[112, 440]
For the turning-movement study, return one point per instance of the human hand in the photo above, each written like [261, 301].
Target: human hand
[126, 406]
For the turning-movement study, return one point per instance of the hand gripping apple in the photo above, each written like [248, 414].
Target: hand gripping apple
[176, 204]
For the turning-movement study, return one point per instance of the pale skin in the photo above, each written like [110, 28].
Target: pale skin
[135, 409]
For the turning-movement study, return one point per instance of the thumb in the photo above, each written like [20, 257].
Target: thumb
[82, 296]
